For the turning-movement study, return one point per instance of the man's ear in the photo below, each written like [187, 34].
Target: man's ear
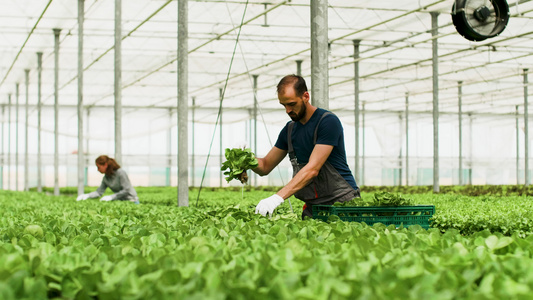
[306, 96]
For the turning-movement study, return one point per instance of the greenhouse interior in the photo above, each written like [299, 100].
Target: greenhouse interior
[430, 198]
[420, 104]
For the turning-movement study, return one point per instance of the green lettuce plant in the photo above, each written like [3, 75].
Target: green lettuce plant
[238, 161]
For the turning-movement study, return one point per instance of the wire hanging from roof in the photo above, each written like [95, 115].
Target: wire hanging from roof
[221, 100]
[26, 41]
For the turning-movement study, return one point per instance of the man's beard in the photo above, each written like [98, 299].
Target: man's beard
[299, 116]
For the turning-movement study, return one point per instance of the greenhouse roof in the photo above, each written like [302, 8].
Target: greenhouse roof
[395, 54]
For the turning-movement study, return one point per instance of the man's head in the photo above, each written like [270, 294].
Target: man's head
[297, 82]
[293, 95]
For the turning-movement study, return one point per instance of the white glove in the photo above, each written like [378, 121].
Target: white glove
[268, 205]
[82, 197]
[107, 198]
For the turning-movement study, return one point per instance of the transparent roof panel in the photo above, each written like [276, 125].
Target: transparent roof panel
[395, 53]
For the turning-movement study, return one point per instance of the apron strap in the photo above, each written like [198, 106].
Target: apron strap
[289, 141]
[316, 129]
[289, 135]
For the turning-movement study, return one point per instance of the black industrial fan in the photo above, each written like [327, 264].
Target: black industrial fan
[477, 20]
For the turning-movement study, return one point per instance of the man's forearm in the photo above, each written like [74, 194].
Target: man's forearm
[260, 169]
[298, 182]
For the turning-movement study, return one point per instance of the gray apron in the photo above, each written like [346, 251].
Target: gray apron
[326, 188]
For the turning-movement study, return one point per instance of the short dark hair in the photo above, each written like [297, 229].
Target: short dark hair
[298, 83]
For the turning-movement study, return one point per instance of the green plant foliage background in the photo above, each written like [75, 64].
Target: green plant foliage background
[55, 247]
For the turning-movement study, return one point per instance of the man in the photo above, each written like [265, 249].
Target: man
[314, 140]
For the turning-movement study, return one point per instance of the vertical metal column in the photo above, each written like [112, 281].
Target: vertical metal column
[56, 111]
[221, 153]
[39, 106]
[81, 152]
[319, 53]
[435, 63]
[2, 161]
[517, 148]
[17, 137]
[407, 139]
[265, 24]
[363, 148]
[460, 99]
[192, 140]
[88, 152]
[526, 131]
[118, 81]
[9, 143]
[400, 154]
[183, 114]
[26, 178]
[169, 149]
[299, 67]
[356, 43]
[470, 150]
[252, 175]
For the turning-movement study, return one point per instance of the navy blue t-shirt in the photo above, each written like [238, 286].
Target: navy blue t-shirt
[329, 132]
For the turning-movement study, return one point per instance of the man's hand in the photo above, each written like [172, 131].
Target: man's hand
[107, 198]
[268, 205]
[82, 197]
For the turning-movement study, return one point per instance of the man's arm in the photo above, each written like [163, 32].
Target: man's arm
[317, 159]
[270, 161]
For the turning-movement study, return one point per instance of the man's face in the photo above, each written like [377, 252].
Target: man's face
[295, 106]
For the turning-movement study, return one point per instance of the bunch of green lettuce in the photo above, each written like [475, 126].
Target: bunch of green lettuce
[238, 161]
[390, 199]
[380, 199]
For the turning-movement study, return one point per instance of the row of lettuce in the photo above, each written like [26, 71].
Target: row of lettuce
[468, 209]
[466, 190]
[217, 248]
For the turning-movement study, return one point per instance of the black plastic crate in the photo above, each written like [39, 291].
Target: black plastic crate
[397, 215]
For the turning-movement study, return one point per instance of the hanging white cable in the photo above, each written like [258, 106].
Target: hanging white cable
[260, 112]
[222, 99]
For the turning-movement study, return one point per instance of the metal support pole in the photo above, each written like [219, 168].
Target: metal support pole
[526, 131]
[9, 143]
[407, 139]
[169, 149]
[192, 146]
[460, 99]
[17, 94]
[183, 151]
[81, 152]
[250, 126]
[299, 67]
[517, 148]
[255, 125]
[26, 169]
[39, 106]
[87, 151]
[118, 81]
[356, 44]
[221, 153]
[319, 53]
[3, 152]
[400, 154]
[56, 111]
[435, 63]
[265, 24]
[363, 148]
[470, 150]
